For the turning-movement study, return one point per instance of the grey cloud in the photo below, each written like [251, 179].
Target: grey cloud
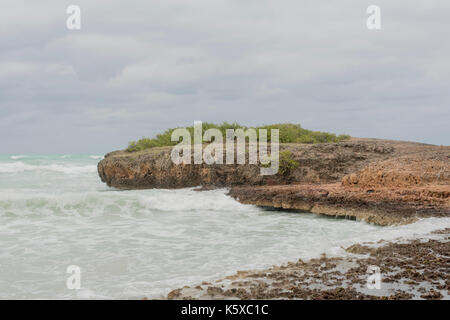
[137, 68]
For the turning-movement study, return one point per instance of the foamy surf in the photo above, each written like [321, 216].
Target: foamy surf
[18, 157]
[96, 157]
[56, 212]
[17, 167]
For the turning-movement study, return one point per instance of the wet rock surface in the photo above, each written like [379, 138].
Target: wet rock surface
[414, 269]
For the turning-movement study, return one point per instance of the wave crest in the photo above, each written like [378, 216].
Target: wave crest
[21, 156]
[18, 167]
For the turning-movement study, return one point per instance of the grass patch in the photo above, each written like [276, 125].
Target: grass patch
[289, 133]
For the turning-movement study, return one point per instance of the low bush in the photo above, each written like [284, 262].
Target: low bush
[289, 133]
[287, 163]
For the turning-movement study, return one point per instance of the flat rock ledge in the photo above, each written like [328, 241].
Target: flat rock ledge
[382, 206]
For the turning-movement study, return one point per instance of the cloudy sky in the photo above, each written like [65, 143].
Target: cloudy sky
[138, 67]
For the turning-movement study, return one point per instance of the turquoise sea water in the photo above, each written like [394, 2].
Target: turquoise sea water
[55, 212]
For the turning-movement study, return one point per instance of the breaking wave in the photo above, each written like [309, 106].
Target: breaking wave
[96, 157]
[55, 212]
[17, 167]
[18, 157]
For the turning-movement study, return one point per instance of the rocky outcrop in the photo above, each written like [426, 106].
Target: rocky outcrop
[395, 191]
[379, 181]
[382, 206]
[321, 163]
[154, 169]
[406, 171]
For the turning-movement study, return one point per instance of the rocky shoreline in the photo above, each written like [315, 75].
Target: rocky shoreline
[398, 190]
[382, 206]
[413, 269]
[379, 181]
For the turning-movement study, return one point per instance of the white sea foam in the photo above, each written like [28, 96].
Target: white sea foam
[18, 167]
[96, 157]
[131, 244]
[18, 157]
[14, 167]
[69, 169]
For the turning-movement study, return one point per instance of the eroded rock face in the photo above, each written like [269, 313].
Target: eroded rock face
[406, 171]
[155, 169]
[383, 206]
[394, 191]
[321, 163]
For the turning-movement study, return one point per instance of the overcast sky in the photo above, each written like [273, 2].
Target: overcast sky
[138, 67]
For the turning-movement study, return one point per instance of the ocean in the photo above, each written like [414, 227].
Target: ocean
[55, 212]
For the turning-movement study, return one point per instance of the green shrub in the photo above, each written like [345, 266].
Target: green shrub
[287, 163]
[289, 133]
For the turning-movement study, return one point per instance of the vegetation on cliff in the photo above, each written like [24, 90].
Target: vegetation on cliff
[289, 133]
[287, 163]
